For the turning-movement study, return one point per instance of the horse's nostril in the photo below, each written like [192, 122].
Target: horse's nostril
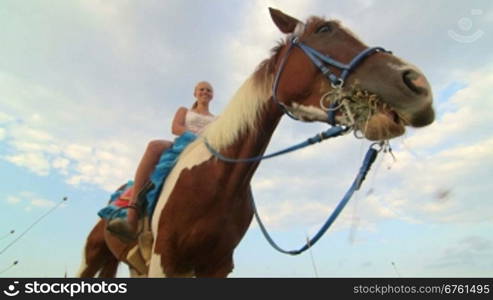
[415, 82]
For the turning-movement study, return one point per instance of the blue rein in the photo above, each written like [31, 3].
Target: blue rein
[329, 133]
[370, 157]
[319, 60]
[335, 131]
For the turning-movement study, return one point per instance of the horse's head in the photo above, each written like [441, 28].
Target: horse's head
[369, 88]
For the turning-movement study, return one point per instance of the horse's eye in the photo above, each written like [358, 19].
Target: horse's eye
[324, 28]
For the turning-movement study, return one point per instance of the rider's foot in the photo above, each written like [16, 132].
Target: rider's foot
[125, 228]
[120, 228]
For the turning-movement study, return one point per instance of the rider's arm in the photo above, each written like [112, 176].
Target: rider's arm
[178, 126]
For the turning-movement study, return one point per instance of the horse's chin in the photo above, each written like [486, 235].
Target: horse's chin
[383, 126]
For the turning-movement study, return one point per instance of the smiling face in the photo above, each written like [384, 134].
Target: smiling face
[203, 92]
[382, 94]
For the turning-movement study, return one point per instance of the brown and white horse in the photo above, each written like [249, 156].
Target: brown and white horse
[205, 205]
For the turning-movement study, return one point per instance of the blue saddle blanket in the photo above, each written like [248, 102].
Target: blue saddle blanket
[166, 163]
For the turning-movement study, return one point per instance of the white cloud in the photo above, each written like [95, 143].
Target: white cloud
[38, 202]
[31, 199]
[116, 20]
[78, 152]
[470, 117]
[463, 170]
[107, 163]
[13, 200]
[470, 251]
[288, 212]
[35, 162]
[265, 183]
[34, 134]
[61, 164]
[259, 34]
[38, 143]
[5, 118]
[104, 8]
[75, 180]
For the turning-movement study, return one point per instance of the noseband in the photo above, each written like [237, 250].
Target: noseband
[321, 61]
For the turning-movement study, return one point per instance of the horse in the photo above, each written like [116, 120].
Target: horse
[205, 205]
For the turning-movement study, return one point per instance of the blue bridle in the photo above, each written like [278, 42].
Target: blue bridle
[337, 82]
[321, 61]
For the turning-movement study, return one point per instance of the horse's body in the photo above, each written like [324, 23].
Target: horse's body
[205, 205]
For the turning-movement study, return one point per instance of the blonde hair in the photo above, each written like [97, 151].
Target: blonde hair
[195, 89]
[204, 82]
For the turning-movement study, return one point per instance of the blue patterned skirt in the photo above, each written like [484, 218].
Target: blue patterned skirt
[166, 163]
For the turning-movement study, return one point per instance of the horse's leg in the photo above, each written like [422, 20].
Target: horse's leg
[110, 266]
[175, 271]
[170, 267]
[220, 270]
[97, 255]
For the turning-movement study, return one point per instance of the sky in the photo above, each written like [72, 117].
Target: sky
[84, 85]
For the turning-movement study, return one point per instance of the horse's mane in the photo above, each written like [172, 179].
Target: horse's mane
[240, 114]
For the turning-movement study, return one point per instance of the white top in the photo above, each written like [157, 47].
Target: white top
[196, 122]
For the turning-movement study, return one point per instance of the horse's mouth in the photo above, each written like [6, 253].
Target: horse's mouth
[366, 113]
[394, 116]
[383, 125]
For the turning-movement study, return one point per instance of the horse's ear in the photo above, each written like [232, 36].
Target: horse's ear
[285, 23]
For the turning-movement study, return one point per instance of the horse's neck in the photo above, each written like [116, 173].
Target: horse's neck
[266, 125]
[254, 141]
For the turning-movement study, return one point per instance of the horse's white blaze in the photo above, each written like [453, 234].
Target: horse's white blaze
[308, 113]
